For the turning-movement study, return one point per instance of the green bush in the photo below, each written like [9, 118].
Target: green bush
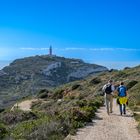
[97, 102]
[16, 116]
[81, 96]
[81, 103]
[24, 129]
[131, 84]
[121, 74]
[43, 93]
[77, 124]
[2, 110]
[3, 131]
[58, 94]
[50, 131]
[95, 81]
[89, 112]
[43, 129]
[75, 86]
[79, 116]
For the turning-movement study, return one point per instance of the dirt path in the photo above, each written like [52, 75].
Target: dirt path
[25, 105]
[112, 127]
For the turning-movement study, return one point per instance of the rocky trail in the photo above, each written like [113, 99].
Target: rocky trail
[104, 126]
[109, 127]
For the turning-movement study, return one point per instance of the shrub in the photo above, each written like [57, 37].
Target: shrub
[127, 68]
[97, 102]
[50, 131]
[89, 112]
[121, 74]
[112, 70]
[43, 93]
[81, 103]
[76, 86]
[131, 84]
[77, 124]
[17, 116]
[71, 97]
[2, 110]
[95, 81]
[3, 131]
[79, 116]
[24, 129]
[58, 94]
[42, 129]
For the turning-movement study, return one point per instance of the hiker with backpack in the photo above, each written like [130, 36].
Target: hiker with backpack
[122, 94]
[108, 89]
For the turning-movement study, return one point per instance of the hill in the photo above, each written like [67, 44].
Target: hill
[25, 77]
[61, 111]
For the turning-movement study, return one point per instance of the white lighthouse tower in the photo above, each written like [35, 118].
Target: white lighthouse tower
[50, 51]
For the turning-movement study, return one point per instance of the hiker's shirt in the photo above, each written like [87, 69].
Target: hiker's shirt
[112, 88]
[122, 94]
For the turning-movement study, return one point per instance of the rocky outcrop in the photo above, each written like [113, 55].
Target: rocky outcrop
[52, 67]
[2, 73]
[84, 72]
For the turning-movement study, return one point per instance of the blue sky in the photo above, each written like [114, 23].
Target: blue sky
[105, 32]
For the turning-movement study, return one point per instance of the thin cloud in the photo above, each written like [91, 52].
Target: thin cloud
[34, 49]
[69, 49]
[102, 49]
[128, 49]
[114, 49]
[83, 49]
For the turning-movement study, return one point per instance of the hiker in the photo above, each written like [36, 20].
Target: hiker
[122, 94]
[108, 90]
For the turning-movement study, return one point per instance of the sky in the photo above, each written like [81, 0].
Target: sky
[105, 32]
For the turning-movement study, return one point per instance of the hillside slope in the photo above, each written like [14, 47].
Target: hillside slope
[27, 76]
[68, 107]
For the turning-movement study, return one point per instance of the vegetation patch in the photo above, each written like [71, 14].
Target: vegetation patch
[69, 107]
[43, 94]
[3, 131]
[16, 116]
[131, 84]
[137, 117]
[95, 81]
[2, 110]
[75, 86]
[58, 94]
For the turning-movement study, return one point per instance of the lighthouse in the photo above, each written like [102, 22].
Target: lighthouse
[50, 51]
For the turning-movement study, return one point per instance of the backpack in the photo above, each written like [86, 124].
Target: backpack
[108, 89]
[122, 91]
